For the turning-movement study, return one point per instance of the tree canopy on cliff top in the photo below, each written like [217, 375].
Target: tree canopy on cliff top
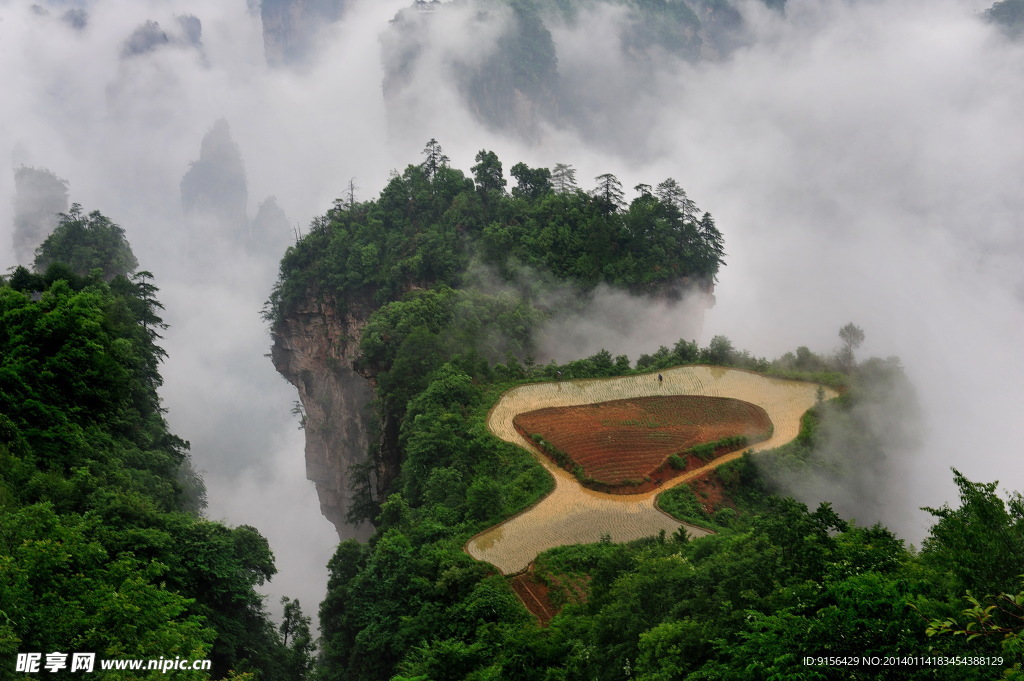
[432, 221]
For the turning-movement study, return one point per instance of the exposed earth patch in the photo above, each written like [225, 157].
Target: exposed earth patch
[634, 445]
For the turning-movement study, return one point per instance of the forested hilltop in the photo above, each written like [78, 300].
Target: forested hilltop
[391, 291]
[103, 545]
[444, 264]
[431, 222]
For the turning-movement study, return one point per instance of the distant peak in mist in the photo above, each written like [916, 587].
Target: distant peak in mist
[1008, 15]
[40, 196]
[149, 36]
[75, 18]
[522, 67]
[145, 38]
[215, 199]
[217, 179]
[191, 28]
[290, 27]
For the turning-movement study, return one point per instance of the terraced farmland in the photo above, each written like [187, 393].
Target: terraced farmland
[625, 442]
[572, 514]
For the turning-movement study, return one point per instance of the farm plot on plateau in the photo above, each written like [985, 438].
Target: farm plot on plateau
[626, 444]
[572, 514]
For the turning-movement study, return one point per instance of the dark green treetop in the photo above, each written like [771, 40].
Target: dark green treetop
[87, 242]
[431, 222]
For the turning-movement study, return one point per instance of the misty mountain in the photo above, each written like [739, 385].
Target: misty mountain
[1009, 14]
[514, 75]
[215, 196]
[145, 38]
[508, 75]
[76, 18]
[39, 197]
[214, 193]
[291, 27]
[270, 227]
[149, 36]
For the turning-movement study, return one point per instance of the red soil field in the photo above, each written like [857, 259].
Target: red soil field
[534, 596]
[710, 492]
[537, 596]
[624, 445]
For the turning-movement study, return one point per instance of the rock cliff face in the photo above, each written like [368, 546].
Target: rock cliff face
[314, 349]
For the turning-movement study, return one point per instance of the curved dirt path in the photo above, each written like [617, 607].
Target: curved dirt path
[573, 514]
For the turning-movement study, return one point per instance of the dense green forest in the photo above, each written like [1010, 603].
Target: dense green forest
[103, 546]
[776, 582]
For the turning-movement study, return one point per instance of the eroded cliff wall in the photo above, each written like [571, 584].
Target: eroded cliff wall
[314, 349]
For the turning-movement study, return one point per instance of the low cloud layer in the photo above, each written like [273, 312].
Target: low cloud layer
[862, 165]
[623, 324]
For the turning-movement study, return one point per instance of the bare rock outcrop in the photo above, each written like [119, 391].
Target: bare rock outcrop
[314, 349]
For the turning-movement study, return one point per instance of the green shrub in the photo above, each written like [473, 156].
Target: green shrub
[707, 450]
[681, 503]
[557, 455]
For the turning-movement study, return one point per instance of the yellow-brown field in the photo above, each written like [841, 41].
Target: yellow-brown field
[572, 514]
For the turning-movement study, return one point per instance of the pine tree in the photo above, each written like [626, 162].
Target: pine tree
[563, 178]
[435, 158]
[609, 192]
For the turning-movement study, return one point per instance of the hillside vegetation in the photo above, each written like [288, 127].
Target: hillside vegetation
[103, 546]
